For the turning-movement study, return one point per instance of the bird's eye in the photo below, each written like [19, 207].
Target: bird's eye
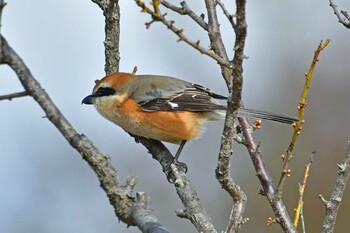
[104, 91]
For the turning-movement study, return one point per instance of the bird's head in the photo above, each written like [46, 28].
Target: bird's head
[113, 87]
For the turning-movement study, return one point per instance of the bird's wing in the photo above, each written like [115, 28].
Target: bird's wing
[176, 95]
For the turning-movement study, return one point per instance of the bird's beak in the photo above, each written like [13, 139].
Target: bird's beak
[88, 99]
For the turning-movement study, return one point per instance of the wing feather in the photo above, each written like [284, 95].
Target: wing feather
[194, 98]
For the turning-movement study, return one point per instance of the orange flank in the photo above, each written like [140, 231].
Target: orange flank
[161, 125]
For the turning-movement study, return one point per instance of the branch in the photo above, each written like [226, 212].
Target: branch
[299, 209]
[332, 206]
[298, 125]
[234, 80]
[111, 12]
[13, 95]
[345, 21]
[269, 189]
[227, 14]
[186, 10]
[126, 206]
[214, 30]
[179, 32]
[185, 190]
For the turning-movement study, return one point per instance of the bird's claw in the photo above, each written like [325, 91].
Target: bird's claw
[170, 174]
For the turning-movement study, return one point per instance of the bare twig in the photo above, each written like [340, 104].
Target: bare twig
[227, 14]
[214, 33]
[180, 34]
[346, 20]
[186, 10]
[299, 209]
[298, 125]
[301, 212]
[332, 206]
[13, 95]
[121, 196]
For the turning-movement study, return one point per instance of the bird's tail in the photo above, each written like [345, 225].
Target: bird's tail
[244, 112]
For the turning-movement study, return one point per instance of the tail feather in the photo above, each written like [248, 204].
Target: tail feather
[244, 112]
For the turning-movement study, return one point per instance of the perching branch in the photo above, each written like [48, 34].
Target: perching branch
[194, 210]
[332, 206]
[343, 20]
[127, 207]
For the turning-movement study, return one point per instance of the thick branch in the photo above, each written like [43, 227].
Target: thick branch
[120, 195]
[332, 206]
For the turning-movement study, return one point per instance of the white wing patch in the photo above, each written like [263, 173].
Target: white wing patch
[173, 105]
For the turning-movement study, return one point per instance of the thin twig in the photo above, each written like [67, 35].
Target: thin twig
[299, 209]
[121, 197]
[332, 206]
[227, 14]
[214, 33]
[13, 95]
[301, 212]
[186, 10]
[298, 125]
[180, 34]
[345, 21]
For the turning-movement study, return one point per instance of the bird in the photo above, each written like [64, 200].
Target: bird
[163, 108]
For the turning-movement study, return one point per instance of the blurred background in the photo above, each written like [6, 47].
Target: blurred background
[47, 187]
